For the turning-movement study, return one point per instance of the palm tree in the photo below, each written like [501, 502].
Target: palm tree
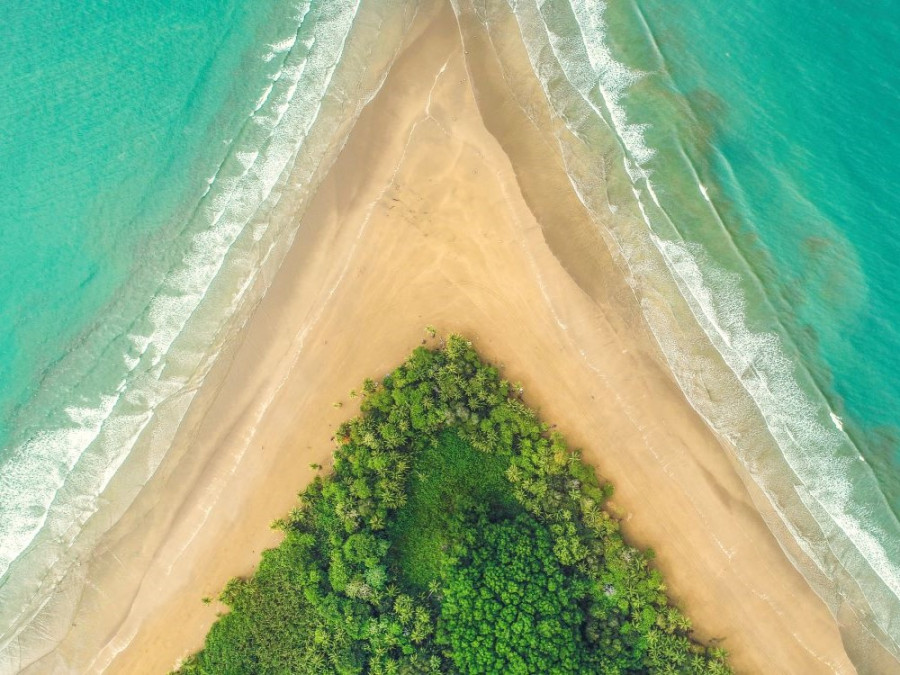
[314, 662]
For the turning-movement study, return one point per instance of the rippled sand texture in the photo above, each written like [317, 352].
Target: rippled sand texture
[442, 209]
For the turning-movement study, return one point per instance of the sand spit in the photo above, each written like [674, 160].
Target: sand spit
[427, 219]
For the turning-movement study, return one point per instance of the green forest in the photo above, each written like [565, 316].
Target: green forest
[455, 534]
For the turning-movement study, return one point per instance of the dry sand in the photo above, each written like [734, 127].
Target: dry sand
[423, 221]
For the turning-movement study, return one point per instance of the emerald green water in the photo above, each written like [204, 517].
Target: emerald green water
[748, 154]
[148, 153]
[115, 117]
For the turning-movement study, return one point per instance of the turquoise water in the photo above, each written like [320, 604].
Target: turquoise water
[108, 138]
[113, 117]
[749, 152]
[799, 105]
[154, 157]
[788, 112]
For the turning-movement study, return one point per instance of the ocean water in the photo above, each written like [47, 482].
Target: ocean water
[793, 113]
[149, 154]
[749, 153]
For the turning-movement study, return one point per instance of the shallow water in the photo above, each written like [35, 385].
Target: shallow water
[793, 112]
[145, 150]
[748, 196]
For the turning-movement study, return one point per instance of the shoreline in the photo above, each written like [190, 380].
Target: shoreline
[422, 221]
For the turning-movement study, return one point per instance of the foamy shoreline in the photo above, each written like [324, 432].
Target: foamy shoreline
[422, 221]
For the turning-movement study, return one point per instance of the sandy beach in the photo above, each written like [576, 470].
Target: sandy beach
[441, 210]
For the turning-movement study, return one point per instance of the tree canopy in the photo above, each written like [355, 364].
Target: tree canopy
[454, 534]
[509, 607]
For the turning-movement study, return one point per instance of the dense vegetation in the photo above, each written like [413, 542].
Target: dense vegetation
[508, 605]
[455, 534]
